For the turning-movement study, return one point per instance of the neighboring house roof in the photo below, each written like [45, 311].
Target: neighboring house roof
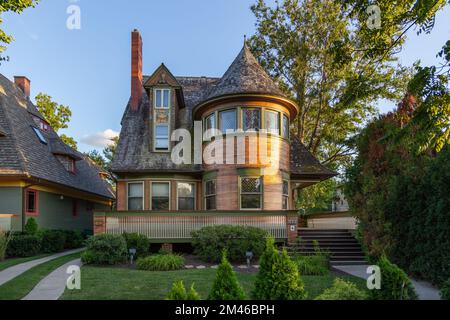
[22, 153]
[244, 76]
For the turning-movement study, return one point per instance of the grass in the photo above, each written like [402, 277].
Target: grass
[109, 283]
[20, 286]
[15, 261]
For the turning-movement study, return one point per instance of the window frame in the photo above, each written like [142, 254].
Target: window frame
[143, 193]
[214, 128]
[260, 110]
[151, 194]
[168, 110]
[219, 120]
[39, 135]
[35, 212]
[194, 195]
[278, 113]
[285, 132]
[284, 195]
[205, 196]
[261, 193]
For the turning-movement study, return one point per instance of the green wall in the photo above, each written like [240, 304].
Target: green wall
[11, 203]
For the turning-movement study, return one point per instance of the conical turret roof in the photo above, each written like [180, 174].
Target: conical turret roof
[245, 75]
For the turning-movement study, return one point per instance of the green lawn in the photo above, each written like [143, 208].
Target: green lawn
[14, 261]
[20, 286]
[106, 283]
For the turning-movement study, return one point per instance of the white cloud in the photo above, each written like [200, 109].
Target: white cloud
[99, 139]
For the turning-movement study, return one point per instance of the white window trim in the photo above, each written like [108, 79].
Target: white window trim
[154, 118]
[195, 193]
[261, 193]
[143, 192]
[211, 195]
[170, 193]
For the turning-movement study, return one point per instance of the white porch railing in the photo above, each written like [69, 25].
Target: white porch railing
[180, 225]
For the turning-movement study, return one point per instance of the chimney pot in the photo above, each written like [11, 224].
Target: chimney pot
[24, 84]
[136, 69]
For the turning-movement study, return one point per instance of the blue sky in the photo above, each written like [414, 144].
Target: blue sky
[89, 69]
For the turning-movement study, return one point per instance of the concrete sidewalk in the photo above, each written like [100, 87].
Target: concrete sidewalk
[14, 271]
[53, 285]
[424, 290]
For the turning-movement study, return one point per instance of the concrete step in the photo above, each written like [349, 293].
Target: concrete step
[348, 262]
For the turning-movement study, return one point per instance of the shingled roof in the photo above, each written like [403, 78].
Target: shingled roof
[22, 154]
[304, 165]
[244, 76]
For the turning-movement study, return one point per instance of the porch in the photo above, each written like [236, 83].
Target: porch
[177, 226]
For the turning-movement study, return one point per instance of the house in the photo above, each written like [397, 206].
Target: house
[231, 184]
[40, 176]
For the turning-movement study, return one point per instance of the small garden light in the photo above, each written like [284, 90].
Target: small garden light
[132, 252]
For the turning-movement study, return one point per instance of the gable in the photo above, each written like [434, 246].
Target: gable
[161, 77]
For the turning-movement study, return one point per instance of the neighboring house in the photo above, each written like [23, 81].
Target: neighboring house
[339, 203]
[167, 201]
[40, 176]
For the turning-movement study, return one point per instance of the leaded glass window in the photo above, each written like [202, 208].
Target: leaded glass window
[251, 119]
[251, 193]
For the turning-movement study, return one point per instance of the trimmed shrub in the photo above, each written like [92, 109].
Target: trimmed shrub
[278, 277]
[74, 239]
[138, 241]
[342, 290]
[264, 281]
[23, 245]
[160, 262]
[105, 249]
[226, 285]
[178, 292]
[31, 227]
[209, 242]
[314, 265]
[52, 241]
[395, 284]
[445, 290]
[287, 284]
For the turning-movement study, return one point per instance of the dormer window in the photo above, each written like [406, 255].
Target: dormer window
[161, 116]
[67, 162]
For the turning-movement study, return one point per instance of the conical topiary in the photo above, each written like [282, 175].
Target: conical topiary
[226, 285]
[264, 283]
[178, 291]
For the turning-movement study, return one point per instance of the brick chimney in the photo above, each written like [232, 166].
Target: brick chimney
[24, 84]
[136, 69]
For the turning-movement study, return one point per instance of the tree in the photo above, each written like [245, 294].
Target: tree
[226, 285]
[95, 156]
[109, 152]
[17, 6]
[310, 47]
[264, 282]
[57, 115]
